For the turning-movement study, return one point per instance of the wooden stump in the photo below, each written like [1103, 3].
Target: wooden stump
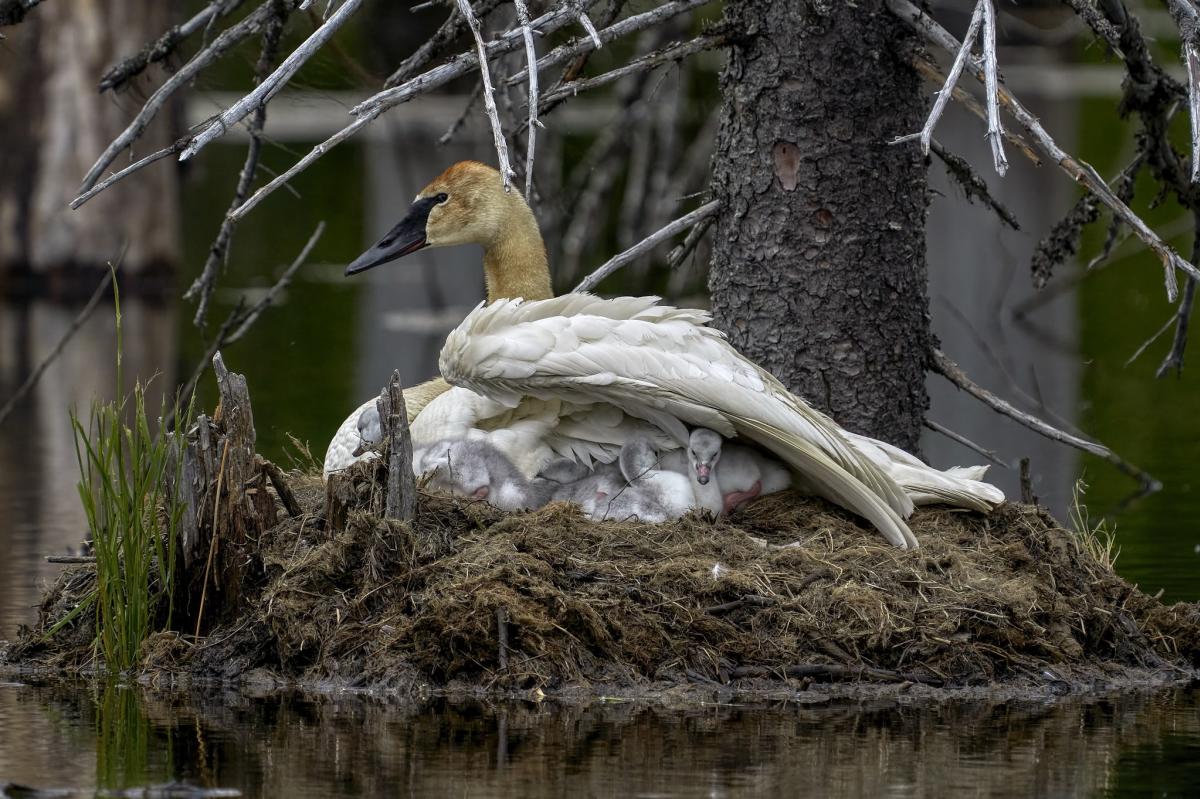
[227, 505]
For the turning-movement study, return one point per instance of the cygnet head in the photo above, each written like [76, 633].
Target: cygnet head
[638, 457]
[704, 450]
[461, 468]
[370, 431]
[467, 204]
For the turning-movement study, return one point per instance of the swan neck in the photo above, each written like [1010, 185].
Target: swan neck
[708, 496]
[514, 262]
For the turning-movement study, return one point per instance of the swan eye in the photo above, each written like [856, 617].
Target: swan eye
[442, 197]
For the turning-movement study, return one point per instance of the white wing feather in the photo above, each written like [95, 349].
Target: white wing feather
[663, 365]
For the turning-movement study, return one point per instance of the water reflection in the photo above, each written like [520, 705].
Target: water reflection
[1135, 744]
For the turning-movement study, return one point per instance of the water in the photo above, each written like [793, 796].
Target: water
[1132, 745]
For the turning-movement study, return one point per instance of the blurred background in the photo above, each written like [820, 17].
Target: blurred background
[613, 166]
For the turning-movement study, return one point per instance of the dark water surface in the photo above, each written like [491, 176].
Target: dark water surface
[1131, 745]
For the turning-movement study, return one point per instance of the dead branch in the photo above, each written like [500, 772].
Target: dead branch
[230, 37]
[450, 30]
[690, 242]
[966, 442]
[12, 12]
[267, 88]
[647, 244]
[141, 163]
[371, 109]
[531, 66]
[1027, 495]
[666, 55]
[944, 94]
[218, 252]
[280, 484]
[995, 129]
[41, 368]
[1187, 17]
[1174, 358]
[952, 372]
[489, 96]
[158, 50]
[972, 184]
[581, 15]
[1080, 171]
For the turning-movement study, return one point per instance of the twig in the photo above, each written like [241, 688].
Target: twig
[952, 372]
[531, 67]
[242, 319]
[1027, 495]
[226, 40]
[946, 92]
[76, 323]
[1174, 359]
[129, 170]
[267, 89]
[995, 129]
[446, 34]
[972, 184]
[581, 15]
[670, 54]
[1187, 18]
[282, 489]
[462, 117]
[284, 281]
[489, 97]
[1080, 171]
[690, 242]
[162, 47]
[647, 244]
[749, 599]
[1157, 335]
[966, 442]
[401, 500]
[370, 110]
[219, 250]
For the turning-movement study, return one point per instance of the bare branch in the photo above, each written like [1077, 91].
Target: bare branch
[445, 35]
[666, 55]
[589, 27]
[219, 251]
[647, 244]
[284, 281]
[41, 368]
[690, 242]
[161, 48]
[995, 131]
[1187, 17]
[531, 65]
[227, 39]
[1080, 171]
[370, 109]
[489, 96]
[966, 442]
[1174, 359]
[13, 11]
[276, 81]
[952, 372]
[946, 92]
[158, 155]
[972, 184]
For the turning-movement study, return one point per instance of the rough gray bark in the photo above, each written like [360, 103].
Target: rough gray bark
[818, 268]
[55, 123]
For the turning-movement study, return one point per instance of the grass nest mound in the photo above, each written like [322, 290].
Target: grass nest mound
[469, 596]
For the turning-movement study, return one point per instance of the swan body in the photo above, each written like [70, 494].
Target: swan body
[744, 474]
[699, 463]
[542, 378]
[476, 469]
[653, 494]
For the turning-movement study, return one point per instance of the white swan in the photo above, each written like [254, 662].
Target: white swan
[556, 368]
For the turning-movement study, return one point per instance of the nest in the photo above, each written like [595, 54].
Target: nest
[466, 596]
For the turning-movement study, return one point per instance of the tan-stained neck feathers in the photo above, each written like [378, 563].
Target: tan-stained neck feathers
[479, 211]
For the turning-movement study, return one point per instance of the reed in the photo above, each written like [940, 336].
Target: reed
[1097, 539]
[133, 516]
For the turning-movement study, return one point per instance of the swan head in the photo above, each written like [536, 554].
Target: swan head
[466, 204]
[370, 431]
[704, 450]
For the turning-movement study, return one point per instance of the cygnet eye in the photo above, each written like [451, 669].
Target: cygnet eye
[442, 197]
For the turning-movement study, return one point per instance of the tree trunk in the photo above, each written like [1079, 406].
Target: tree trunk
[818, 268]
[54, 125]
